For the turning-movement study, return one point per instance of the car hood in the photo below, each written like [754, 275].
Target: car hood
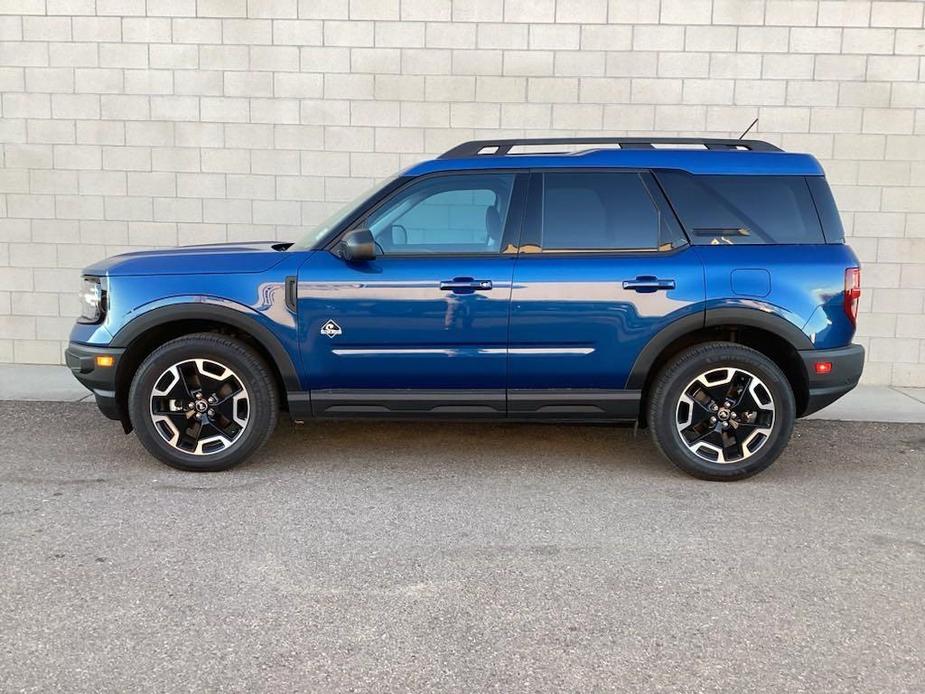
[223, 258]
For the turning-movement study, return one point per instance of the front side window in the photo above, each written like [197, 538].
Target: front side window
[445, 215]
[597, 211]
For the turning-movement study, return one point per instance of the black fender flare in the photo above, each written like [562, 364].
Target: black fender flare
[220, 314]
[725, 315]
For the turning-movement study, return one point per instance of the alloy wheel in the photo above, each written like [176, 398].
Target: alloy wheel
[199, 406]
[725, 415]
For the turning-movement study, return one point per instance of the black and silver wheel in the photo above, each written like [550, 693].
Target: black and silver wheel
[725, 415]
[721, 411]
[199, 406]
[203, 402]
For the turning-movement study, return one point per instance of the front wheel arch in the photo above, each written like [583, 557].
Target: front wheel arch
[148, 331]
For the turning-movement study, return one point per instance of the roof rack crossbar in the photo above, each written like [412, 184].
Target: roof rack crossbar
[498, 148]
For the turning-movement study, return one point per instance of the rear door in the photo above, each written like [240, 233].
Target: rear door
[423, 327]
[603, 266]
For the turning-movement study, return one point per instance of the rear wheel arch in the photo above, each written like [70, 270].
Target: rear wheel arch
[771, 335]
[148, 331]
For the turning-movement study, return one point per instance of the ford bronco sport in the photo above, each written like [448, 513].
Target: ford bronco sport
[698, 287]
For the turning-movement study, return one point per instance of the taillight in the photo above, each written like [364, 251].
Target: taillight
[852, 293]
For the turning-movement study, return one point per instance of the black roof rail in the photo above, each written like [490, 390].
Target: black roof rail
[502, 147]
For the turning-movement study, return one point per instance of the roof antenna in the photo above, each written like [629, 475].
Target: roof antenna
[754, 123]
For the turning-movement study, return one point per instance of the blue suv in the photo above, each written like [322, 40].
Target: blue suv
[698, 287]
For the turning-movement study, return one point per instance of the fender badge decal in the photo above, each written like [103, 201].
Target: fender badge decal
[331, 329]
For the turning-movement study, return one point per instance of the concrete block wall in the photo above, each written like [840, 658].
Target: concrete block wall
[133, 124]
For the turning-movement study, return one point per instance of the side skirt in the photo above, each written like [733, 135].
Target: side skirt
[559, 405]
[578, 404]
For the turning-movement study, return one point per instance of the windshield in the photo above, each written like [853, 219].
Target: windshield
[317, 234]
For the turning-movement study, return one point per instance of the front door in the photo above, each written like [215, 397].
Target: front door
[423, 327]
[603, 267]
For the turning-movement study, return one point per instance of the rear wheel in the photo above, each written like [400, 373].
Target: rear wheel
[203, 402]
[721, 411]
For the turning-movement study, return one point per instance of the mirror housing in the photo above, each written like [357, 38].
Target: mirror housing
[357, 246]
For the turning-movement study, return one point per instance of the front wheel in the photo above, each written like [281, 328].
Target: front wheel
[203, 402]
[721, 411]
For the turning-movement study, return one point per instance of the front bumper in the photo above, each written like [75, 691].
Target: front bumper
[824, 389]
[100, 380]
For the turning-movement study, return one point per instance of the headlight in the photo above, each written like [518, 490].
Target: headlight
[91, 300]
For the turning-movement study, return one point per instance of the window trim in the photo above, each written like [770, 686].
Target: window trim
[513, 226]
[676, 236]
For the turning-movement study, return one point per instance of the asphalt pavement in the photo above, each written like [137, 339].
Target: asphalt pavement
[457, 557]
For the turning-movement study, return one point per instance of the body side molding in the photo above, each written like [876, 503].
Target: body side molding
[388, 402]
[562, 405]
[574, 403]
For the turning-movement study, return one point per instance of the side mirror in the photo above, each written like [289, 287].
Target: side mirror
[358, 246]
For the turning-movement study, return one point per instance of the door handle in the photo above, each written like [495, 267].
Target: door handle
[465, 284]
[648, 283]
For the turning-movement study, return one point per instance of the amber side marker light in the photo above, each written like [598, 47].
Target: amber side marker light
[823, 367]
[105, 361]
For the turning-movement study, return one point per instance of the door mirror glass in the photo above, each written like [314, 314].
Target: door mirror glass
[358, 246]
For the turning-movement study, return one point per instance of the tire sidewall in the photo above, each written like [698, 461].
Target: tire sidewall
[261, 402]
[690, 365]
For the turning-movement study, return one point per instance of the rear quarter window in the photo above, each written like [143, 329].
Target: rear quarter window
[828, 212]
[736, 210]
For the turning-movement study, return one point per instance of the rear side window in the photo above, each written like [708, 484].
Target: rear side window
[738, 210]
[596, 211]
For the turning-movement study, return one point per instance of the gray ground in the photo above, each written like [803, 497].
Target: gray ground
[461, 557]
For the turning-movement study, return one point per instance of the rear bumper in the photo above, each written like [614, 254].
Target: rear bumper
[100, 380]
[824, 389]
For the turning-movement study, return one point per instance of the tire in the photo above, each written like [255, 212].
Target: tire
[757, 426]
[186, 371]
